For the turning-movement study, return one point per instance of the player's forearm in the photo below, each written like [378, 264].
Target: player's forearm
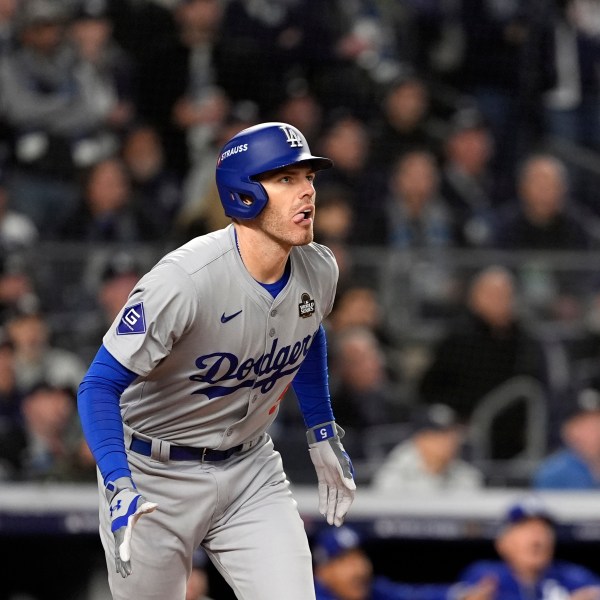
[311, 384]
[98, 404]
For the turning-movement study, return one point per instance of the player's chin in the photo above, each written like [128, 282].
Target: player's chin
[306, 238]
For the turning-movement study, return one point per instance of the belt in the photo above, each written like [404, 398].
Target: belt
[185, 452]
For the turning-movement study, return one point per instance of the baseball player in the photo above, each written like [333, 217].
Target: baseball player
[177, 402]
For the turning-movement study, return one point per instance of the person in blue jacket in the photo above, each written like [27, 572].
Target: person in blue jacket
[344, 571]
[527, 568]
[576, 465]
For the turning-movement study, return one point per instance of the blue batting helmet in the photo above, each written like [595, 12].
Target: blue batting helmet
[254, 151]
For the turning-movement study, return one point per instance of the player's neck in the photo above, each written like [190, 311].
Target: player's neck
[263, 257]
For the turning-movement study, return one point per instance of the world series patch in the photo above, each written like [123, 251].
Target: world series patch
[133, 320]
[306, 308]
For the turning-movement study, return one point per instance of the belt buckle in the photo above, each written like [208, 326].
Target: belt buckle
[204, 451]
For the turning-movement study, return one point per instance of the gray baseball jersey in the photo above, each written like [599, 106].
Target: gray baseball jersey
[214, 351]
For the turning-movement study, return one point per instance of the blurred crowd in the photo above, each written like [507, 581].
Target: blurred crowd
[462, 209]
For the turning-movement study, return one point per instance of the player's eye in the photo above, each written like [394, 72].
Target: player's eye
[311, 177]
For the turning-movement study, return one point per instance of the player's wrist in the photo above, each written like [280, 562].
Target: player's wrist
[112, 488]
[323, 432]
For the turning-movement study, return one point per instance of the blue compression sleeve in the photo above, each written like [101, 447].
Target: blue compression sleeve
[311, 384]
[100, 414]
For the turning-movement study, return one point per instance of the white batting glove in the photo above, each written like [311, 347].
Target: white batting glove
[126, 507]
[335, 472]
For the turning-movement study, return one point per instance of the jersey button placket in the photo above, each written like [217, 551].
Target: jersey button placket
[272, 332]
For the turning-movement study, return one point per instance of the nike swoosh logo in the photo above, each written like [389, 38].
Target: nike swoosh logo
[224, 318]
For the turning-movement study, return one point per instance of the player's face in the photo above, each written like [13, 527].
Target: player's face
[528, 546]
[288, 216]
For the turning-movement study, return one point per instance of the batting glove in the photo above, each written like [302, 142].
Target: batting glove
[335, 472]
[126, 507]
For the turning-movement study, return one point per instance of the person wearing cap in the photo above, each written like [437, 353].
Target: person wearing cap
[576, 465]
[526, 568]
[429, 459]
[344, 571]
[467, 179]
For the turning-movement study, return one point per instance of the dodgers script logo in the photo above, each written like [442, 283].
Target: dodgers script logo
[292, 137]
[224, 373]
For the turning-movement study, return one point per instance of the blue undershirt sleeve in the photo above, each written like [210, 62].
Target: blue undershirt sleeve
[99, 411]
[311, 383]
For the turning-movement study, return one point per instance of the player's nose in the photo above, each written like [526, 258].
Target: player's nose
[307, 189]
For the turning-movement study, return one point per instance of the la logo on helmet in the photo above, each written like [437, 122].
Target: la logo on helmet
[291, 137]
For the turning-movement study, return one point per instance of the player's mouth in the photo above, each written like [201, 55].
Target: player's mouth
[305, 216]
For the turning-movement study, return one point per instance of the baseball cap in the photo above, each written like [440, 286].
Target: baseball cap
[91, 9]
[436, 417]
[587, 401]
[34, 12]
[525, 509]
[121, 263]
[333, 542]
[466, 119]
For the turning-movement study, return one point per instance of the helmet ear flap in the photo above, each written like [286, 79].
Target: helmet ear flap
[245, 203]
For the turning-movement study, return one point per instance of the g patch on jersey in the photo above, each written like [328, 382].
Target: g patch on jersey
[306, 308]
[133, 320]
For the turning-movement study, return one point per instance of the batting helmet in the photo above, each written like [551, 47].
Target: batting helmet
[253, 151]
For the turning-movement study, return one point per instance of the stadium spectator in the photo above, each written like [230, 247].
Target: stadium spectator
[17, 284]
[157, 189]
[301, 108]
[415, 216]
[405, 122]
[37, 360]
[180, 93]
[269, 49]
[363, 390]
[344, 571]
[544, 218]
[467, 181]
[526, 566]
[507, 64]
[359, 305]
[57, 108]
[8, 9]
[570, 106]
[119, 274]
[334, 227]
[10, 396]
[575, 466]
[91, 32]
[17, 231]
[201, 210]
[108, 211]
[346, 139]
[42, 445]
[430, 459]
[483, 348]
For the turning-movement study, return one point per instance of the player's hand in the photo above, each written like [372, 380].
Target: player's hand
[126, 506]
[335, 472]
